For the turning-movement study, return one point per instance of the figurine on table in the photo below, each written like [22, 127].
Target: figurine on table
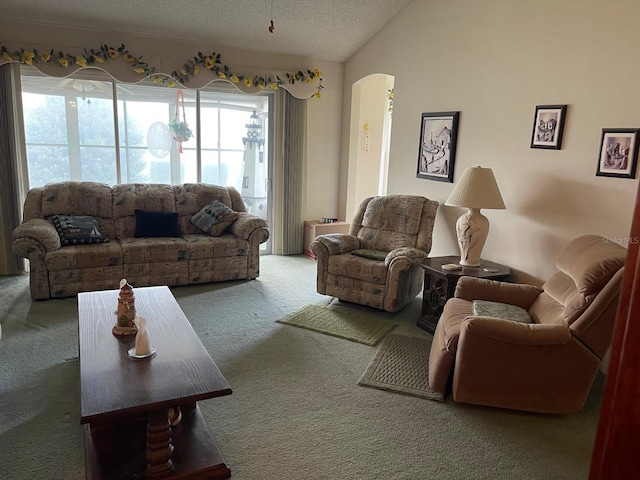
[126, 312]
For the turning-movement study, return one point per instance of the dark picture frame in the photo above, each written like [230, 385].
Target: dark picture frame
[548, 126]
[437, 147]
[618, 155]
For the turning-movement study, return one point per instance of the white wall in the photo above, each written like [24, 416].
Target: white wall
[494, 61]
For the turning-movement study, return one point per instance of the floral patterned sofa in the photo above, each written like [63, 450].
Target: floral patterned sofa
[119, 249]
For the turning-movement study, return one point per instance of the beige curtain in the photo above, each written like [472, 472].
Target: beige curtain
[10, 178]
[294, 159]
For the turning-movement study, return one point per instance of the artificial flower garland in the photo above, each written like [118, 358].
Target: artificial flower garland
[190, 69]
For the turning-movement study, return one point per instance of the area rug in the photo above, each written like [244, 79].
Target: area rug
[357, 325]
[401, 365]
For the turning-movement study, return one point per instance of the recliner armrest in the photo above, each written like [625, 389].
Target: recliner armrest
[335, 244]
[519, 294]
[413, 254]
[518, 333]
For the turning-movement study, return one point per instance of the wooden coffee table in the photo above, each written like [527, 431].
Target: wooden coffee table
[124, 401]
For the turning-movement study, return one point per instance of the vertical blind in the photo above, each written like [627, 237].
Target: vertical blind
[295, 140]
[9, 164]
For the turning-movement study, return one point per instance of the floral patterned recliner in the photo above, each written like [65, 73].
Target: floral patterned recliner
[378, 263]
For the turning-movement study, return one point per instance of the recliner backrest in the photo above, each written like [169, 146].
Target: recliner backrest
[393, 221]
[583, 293]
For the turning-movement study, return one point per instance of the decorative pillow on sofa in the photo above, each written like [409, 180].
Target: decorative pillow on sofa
[370, 254]
[484, 308]
[78, 229]
[156, 224]
[214, 218]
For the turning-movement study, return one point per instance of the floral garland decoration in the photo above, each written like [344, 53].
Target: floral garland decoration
[190, 69]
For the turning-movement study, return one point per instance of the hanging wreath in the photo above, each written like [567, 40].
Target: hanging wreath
[180, 128]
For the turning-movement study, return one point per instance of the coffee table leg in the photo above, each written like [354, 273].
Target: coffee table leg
[159, 447]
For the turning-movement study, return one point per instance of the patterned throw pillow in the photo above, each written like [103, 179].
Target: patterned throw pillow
[214, 218]
[78, 229]
[504, 311]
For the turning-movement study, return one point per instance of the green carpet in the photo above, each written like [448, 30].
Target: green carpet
[351, 323]
[296, 412]
[401, 365]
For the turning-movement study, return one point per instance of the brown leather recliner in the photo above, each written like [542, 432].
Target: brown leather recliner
[545, 366]
[378, 263]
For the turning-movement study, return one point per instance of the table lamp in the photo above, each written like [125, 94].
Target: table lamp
[476, 189]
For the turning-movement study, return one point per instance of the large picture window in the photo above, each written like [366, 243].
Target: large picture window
[90, 128]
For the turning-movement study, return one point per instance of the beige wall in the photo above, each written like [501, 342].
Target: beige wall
[494, 61]
[323, 118]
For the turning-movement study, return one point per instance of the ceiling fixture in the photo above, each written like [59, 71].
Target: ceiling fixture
[271, 25]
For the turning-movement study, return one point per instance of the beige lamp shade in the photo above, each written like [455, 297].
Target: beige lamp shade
[476, 189]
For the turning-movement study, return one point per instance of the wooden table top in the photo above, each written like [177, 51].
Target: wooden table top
[113, 385]
[486, 269]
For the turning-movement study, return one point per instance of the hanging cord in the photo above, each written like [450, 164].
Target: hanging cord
[180, 97]
[271, 25]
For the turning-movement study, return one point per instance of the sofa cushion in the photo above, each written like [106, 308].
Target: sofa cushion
[78, 257]
[156, 224]
[150, 250]
[78, 229]
[214, 218]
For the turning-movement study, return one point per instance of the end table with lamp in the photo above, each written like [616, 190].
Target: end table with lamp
[440, 284]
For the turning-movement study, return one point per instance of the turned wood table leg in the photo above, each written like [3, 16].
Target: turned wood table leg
[159, 447]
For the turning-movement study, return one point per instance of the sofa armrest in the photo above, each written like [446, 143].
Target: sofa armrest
[508, 331]
[36, 233]
[335, 244]
[519, 294]
[246, 224]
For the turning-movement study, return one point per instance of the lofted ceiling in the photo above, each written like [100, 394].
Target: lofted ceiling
[323, 29]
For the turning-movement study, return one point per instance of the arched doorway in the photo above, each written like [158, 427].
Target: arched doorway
[371, 105]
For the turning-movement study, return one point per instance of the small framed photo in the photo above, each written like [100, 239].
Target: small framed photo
[548, 124]
[618, 152]
[437, 148]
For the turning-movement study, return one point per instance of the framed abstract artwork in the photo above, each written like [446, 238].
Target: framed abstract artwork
[548, 125]
[437, 148]
[618, 155]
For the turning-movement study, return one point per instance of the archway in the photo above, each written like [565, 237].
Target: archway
[370, 127]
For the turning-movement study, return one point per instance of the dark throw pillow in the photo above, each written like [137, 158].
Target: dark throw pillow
[156, 224]
[214, 218]
[78, 229]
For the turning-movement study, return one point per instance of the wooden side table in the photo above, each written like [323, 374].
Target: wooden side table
[440, 285]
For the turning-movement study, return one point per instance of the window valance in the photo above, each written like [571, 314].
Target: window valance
[196, 72]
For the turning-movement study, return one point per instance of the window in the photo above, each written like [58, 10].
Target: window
[88, 127]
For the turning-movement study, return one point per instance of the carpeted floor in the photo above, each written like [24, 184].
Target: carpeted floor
[296, 411]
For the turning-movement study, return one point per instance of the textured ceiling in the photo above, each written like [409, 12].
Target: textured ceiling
[323, 29]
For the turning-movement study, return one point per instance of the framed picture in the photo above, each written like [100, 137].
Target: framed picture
[618, 152]
[437, 148]
[548, 124]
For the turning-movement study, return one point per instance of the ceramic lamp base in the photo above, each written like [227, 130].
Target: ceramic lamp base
[472, 229]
